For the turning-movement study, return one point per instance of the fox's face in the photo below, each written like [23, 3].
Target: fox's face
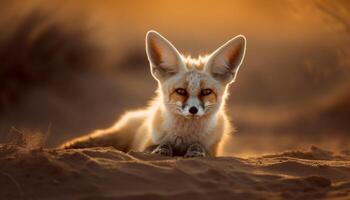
[193, 88]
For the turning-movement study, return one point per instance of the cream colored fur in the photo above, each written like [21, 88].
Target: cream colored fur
[171, 122]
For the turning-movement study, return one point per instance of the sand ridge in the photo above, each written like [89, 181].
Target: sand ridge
[106, 173]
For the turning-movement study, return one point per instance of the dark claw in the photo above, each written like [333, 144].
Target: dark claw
[163, 150]
[195, 150]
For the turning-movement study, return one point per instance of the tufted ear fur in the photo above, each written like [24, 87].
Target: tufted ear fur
[224, 63]
[164, 58]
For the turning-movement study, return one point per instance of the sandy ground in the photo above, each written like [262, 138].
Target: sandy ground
[106, 173]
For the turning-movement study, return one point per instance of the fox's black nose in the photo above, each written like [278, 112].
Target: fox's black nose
[193, 110]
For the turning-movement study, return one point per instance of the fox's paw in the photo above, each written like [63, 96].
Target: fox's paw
[195, 150]
[163, 150]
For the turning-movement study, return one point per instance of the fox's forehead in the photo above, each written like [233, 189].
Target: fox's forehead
[194, 78]
[193, 81]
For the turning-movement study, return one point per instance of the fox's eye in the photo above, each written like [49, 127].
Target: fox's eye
[206, 92]
[181, 91]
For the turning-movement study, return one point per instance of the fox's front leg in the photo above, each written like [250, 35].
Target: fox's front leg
[164, 149]
[196, 150]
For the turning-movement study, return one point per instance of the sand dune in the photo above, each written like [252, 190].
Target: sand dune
[106, 173]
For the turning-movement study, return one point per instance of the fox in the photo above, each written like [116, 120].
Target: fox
[187, 117]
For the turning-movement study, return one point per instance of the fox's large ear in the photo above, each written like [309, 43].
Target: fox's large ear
[224, 63]
[164, 58]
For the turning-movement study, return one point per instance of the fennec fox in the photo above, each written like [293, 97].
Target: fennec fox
[187, 118]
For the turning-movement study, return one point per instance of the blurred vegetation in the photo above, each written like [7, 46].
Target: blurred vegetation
[38, 52]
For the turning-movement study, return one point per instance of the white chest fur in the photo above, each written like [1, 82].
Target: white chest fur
[181, 131]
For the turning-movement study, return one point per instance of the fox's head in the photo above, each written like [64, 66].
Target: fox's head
[193, 88]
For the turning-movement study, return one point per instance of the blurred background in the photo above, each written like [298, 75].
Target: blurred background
[67, 68]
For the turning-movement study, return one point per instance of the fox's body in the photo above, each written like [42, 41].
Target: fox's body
[188, 115]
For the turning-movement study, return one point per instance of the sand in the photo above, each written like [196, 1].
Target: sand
[106, 173]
